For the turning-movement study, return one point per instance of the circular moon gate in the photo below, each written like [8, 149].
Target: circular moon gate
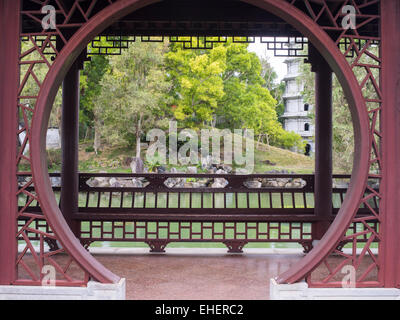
[310, 29]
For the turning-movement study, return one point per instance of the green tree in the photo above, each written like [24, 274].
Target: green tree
[133, 94]
[248, 102]
[90, 79]
[224, 87]
[198, 85]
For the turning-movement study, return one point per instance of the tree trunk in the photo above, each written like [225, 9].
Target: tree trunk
[87, 133]
[97, 141]
[138, 132]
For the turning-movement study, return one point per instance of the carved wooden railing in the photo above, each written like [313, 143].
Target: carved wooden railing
[157, 213]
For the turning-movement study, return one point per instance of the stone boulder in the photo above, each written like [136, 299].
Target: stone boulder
[191, 170]
[175, 182]
[137, 165]
[252, 184]
[55, 181]
[220, 182]
[161, 170]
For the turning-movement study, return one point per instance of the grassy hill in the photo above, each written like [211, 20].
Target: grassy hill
[281, 159]
[267, 158]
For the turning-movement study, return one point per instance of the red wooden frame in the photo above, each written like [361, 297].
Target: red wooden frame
[304, 15]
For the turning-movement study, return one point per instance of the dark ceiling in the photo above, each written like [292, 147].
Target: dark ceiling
[197, 18]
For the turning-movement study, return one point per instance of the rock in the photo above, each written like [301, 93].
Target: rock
[175, 182]
[21, 181]
[212, 170]
[191, 170]
[103, 184]
[179, 183]
[299, 183]
[161, 169]
[254, 184]
[92, 183]
[375, 186]
[219, 183]
[206, 162]
[281, 183]
[198, 185]
[124, 182]
[220, 171]
[227, 169]
[100, 180]
[169, 183]
[269, 183]
[115, 183]
[55, 181]
[136, 183]
[137, 165]
[203, 183]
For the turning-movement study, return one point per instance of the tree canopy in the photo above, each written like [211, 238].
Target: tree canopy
[226, 87]
[133, 94]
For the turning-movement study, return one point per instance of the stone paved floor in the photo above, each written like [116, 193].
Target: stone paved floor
[198, 275]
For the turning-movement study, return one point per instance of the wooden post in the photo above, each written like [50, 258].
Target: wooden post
[389, 245]
[70, 147]
[9, 80]
[323, 143]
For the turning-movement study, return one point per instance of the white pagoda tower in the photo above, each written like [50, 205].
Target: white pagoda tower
[297, 113]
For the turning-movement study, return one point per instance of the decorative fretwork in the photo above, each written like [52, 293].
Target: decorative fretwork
[281, 46]
[113, 45]
[286, 46]
[158, 213]
[361, 48]
[38, 52]
[366, 65]
[109, 45]
[329, 16]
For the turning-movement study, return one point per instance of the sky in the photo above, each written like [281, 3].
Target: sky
[277, 62]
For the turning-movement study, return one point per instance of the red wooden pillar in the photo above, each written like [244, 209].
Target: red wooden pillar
[70, 145]
[9, 80]
[389, 250]
[323, 143]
